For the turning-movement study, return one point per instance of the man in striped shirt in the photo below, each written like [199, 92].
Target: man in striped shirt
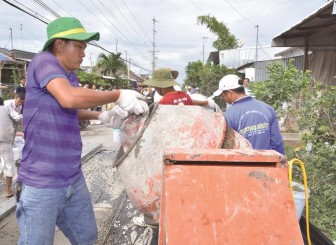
[54, 191]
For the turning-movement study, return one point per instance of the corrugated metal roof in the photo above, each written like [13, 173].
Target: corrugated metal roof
[318, 31]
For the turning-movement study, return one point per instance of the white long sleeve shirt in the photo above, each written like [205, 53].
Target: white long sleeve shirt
[11, 103]
[7, 118]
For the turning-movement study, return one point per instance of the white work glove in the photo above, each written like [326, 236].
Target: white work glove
[114, 117]
[211, 103]
[132, 101]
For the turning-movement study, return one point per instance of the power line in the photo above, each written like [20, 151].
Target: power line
[240, 13]
[136, 21]
[112, 25]
[61, 7]
[38, 16]
[46, 7]
[124, 18]
[198, 7]
[134, 64]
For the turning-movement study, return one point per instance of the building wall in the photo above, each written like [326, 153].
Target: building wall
[261, 71]
[233, 58]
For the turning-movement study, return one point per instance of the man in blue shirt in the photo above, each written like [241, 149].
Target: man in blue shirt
[253, 119]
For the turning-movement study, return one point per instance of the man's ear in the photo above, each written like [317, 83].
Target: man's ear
[58, 44]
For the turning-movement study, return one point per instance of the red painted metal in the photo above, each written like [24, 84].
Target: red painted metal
[226, 197]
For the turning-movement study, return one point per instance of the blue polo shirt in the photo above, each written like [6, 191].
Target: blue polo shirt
[51, 157]
[257, 122]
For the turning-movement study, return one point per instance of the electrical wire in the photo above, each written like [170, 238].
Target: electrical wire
[36, 16]
[137, 21]
[61, 7]
[109, 27]
[39, 17]
[197, 7]
[121, 13]
[46, 7]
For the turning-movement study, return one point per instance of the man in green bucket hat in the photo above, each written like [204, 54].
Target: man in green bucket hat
[51, 187]
[163, 80]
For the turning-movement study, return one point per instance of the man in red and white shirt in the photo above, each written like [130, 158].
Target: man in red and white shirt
[163, 81]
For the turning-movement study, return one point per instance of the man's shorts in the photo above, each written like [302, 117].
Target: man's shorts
[7, 156]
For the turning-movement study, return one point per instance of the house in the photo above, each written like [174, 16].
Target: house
[310, 43]
[244, 60]
[19, 60]
[316, 35]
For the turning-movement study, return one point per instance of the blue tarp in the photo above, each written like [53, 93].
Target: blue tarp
[4, 57]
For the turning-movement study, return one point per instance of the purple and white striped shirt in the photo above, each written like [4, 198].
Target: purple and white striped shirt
[51, 157]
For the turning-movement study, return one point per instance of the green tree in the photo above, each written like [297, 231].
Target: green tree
[91, 78]
[318, 122]
[205, 77]
[285, 84]
[313, 106]
[111, 64]
[225, 40]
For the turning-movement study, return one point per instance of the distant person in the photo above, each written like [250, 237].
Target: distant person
[253, 119]
[7, 117]
[246, 83]
[197, 90]
[54, 191]
[22, 86]
[188, 90]
[163, 81]
[16, 103]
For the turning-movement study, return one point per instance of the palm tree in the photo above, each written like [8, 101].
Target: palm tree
[111, 64]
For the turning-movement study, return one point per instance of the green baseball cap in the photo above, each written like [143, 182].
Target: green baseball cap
[163, 78]
[68, 28]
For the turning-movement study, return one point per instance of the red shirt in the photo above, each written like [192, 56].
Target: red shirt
[176, 98]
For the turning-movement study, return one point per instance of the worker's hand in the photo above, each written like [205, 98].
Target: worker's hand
[211, 104]
[114, 117]
[132, 101]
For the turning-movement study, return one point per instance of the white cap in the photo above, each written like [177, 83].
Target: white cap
[228, 82]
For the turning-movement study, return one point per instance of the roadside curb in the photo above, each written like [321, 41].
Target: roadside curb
[7, 207]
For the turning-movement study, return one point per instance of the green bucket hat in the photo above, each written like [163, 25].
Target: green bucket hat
[163, 78]
[68, 28]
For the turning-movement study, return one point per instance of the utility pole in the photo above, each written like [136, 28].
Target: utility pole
[256, 59]
[204, 38]
[116, 45]
[21, 37]
[128, 70]
[11, 37]
[126, 60]
[154, 51]
[90, 62]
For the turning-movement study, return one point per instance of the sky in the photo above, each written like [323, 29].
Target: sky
[127, 26]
